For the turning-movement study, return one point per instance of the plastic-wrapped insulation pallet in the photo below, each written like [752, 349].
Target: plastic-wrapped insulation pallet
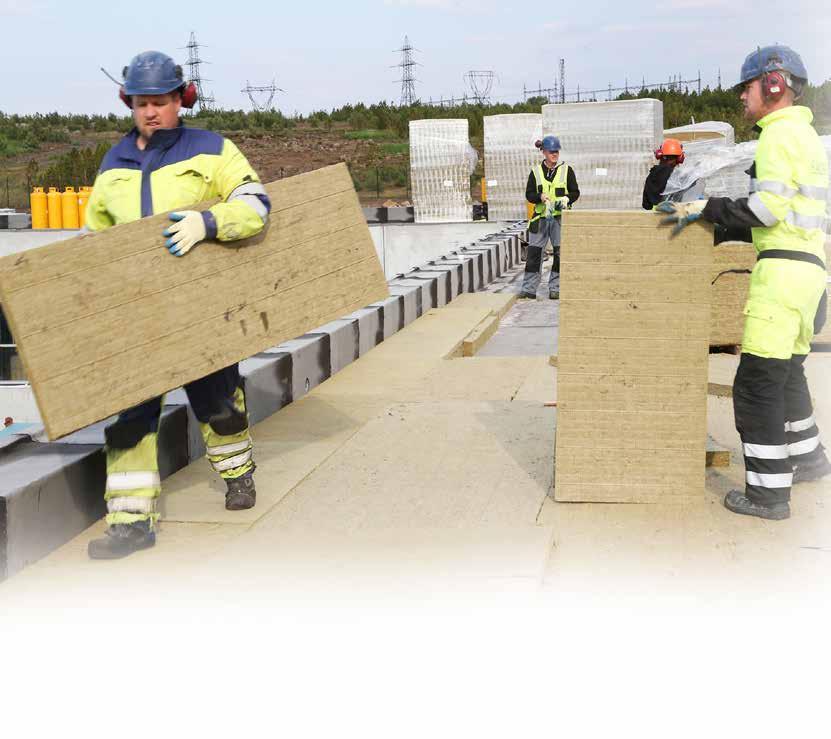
[610, 147]
[712, 131]
[441, 162]
[510, 154]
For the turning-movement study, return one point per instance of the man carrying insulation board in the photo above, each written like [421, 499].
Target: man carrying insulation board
[160, 166]
[786, 213]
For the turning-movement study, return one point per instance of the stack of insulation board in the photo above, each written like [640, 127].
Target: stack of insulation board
[510, 154]
[729, 291]
[440, 169]
[632, 359]
[610, 146]
[718, 131]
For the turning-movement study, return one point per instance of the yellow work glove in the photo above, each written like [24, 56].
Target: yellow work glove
[680, 214]
[186, 232]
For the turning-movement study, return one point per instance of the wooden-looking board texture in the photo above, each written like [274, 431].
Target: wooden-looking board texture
[632, 358]
[108, 320]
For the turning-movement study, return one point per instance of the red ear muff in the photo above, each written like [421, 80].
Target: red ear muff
[773, 86]
[125, 98]
[189, 95]
[681, 158]
[658, 153]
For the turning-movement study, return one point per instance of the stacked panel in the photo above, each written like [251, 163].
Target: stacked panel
[510, 154]
[610, 146]
[632, 359]
[441, 162]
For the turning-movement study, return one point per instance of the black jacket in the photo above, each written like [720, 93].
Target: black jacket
[656, 183]
[533, 192]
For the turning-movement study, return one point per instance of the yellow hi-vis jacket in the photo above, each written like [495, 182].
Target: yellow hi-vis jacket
[555, 189]
[179, 168]
[789, 188]
[789, 183]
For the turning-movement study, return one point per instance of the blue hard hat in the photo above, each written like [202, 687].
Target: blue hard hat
[772, 59]
[152, 73]
[550, 143]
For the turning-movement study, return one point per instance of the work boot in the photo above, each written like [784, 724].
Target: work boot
[122, 539]
[554, 295]
[241, 493]
[526, 296]
[810, 471]
[738, 502]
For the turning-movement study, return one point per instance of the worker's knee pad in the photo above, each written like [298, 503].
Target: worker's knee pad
[229, 420]
[126, 434]
[533, 262]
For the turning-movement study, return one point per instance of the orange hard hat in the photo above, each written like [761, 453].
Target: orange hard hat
[672, 148]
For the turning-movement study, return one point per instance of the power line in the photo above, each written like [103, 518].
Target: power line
[270, 90]
[674, 83]
[194, 62]
[408, 80]
[481, 84]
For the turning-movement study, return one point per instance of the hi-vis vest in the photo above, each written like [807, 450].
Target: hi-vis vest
[789, 183]
[556, 189]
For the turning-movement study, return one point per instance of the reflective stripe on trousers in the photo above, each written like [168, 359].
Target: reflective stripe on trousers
[774, 417]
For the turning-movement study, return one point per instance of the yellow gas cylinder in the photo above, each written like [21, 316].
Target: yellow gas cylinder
[529, 209]
[40, 210]
[53, 200]
[83, 199]
[69, 208]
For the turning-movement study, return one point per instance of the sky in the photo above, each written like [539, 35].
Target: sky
[326, 54]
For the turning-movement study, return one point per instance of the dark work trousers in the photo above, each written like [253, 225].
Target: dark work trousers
[775, 420]
[207, 396]
[548, 229]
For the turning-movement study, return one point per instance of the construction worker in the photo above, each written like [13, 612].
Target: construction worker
[162, 166]
[669, 156]
[786, 212]
[552, 187]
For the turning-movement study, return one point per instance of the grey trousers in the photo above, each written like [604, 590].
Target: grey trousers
[549, 228]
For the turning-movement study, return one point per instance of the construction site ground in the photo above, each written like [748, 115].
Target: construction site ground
[415, 470]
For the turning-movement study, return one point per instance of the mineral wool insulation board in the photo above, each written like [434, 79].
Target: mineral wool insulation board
[729, 290]
[440, 170]
[109, 320]
[610, 147]
[632, 359]
[510, 154]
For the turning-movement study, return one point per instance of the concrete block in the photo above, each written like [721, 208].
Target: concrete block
[488, 252]
[411, 297]
[344, 342]
[311, 361]
[425, 294]
[495, 248]
[471, 270]
[439, 285]
[453, 279]
[370, 328]
[392, 314]
[49, 493]
[268, 384]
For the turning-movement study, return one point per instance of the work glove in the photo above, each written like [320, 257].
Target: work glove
[680, 214]
[186, 232]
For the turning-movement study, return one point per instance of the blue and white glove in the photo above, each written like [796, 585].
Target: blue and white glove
[186, 232]
[680, 214]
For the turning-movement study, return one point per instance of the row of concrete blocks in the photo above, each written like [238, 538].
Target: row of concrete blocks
[51, 491]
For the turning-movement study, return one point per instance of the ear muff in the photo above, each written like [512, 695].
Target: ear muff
[125, 98]
[773, 86]
[189, 95]
[658, 153]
